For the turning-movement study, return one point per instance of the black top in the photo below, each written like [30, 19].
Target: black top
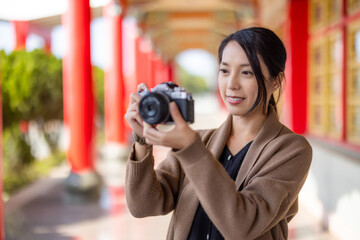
[202, 228]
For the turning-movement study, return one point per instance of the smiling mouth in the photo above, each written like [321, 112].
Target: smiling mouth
[234, 100]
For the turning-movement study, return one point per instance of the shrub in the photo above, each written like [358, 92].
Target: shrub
[31, 85]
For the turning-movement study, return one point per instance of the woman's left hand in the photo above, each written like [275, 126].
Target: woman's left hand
[180, 136]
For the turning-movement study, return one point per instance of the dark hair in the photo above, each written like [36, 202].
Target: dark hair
[264, 42]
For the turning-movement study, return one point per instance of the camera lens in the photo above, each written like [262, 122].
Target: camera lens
[154, 107]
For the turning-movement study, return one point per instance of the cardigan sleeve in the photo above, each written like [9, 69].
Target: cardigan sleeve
[151, 192]
[267, 196]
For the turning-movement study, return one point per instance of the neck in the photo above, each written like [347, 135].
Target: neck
[248, 126]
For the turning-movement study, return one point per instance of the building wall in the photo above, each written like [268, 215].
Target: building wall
[332, 190]
[334, 115]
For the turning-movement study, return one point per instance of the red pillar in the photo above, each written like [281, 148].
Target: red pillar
[115, 130]
[145, 60]
[130, 32]
[138, 61]
[47, 45]
[296, 69]
[129, 54]
[165, 71]
[21, 32]
[161, 71]
[157, 69]
[81, 111]
[143, 63]
[171, 72]
[140, 64]
[150, 68]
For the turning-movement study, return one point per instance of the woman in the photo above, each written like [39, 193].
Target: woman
[240, 181]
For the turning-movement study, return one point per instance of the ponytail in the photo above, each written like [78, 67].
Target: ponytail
[272, 102]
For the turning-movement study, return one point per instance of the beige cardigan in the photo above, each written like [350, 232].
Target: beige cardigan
[272, 174]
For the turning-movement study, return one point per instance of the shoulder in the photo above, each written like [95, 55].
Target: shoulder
[291, 144]
[289, 138]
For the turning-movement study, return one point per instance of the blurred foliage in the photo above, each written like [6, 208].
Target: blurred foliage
[16, 150]
[17, 174]
[19, 167]
[98, 77]
[192, 83]
[31, 85]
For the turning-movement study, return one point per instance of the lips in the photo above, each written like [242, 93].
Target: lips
[234, 99]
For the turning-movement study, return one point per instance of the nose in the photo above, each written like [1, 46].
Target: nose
[233, 82]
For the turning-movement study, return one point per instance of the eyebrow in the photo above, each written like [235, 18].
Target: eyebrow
[241, 65]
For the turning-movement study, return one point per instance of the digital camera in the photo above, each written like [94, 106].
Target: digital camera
[154, 104]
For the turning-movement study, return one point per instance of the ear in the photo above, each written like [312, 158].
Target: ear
[278, 81]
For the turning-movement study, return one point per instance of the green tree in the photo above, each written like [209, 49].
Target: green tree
[98, 76]
[31, 87]
[191, 82]
[32, 90]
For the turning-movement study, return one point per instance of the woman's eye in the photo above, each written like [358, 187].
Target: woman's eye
[247, 73]
[224, 70]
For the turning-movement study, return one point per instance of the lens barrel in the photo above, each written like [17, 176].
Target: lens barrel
[154, 107]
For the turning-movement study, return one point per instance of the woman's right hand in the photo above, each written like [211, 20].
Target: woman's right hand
[132, 115]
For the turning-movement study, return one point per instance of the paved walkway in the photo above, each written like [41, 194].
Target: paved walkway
[39, 211]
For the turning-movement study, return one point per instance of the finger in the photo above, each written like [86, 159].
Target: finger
[134, 97]
[152, 140]
[139, 119]
[133, 117]
[135, 126]
[175, 114]
[150, 130]
[133, 107]
[146, 128]
[134, 123]
[154, 136]
[142, 87]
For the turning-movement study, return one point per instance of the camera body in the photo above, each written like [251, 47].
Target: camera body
[154, 104]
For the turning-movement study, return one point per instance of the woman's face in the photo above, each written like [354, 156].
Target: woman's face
[237, 82]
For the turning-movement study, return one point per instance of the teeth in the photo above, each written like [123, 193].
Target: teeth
[236, 98]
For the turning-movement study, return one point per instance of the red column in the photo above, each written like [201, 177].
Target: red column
[81, 112]
[157, 69]
[129, 54]
[48, 45]
[150, 68]
[130, 33]
[171, 72]
[114, 79]
[138, 61]
[143, 66]
[166, 71]
[296, 69]
[145, 56]
[21, 32]
[162, 71]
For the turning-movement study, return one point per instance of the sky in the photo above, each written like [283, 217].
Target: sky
[196, 61]
[31, 9]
